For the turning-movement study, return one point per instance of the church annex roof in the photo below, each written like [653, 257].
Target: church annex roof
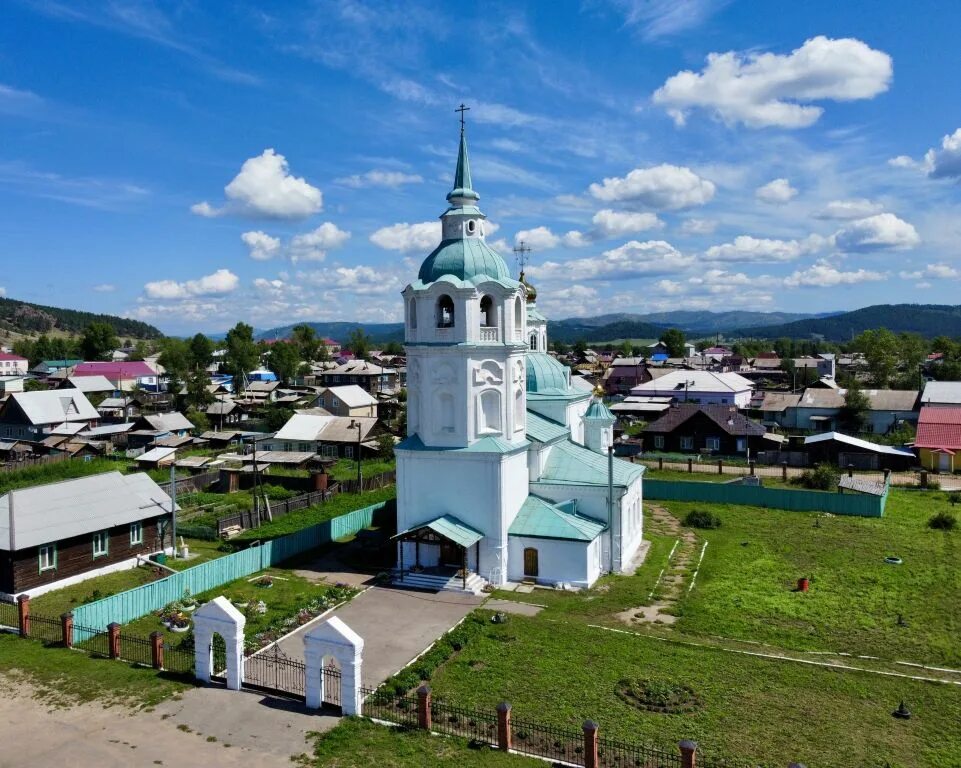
[573, 464]
[545, 430]
[547, 376]
[450, 528]
[540, 519]
[489, 444]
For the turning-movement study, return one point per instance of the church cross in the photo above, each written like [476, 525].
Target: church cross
[522, 254]
[462, 109]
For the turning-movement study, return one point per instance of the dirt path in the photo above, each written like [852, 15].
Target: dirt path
[676, 574]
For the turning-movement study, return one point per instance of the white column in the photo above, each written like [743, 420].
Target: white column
[219, 617]
[334, 638]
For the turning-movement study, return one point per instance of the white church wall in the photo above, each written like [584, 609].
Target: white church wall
[632, 521]
[575, 419]
[572, 562]
[550, 409]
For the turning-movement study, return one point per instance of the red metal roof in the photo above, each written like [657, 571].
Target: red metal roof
[939, 428]
[129, 370]
[7, 356]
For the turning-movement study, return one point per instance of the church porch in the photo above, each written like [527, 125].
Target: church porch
[440, 555]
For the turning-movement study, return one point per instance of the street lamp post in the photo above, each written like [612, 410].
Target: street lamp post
[354, 424]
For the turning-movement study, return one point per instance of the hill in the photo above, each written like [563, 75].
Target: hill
[378, 332]
[925, 319]
[22, 317]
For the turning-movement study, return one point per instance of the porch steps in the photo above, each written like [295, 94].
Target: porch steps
[440, 583]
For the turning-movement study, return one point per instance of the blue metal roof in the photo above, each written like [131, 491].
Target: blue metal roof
[547, 376]
[573, 464]
[545, 430]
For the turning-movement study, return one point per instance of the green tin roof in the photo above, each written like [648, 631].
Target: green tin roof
[597, 410]
[488, 444]
[545, 430]
[462, 181]
[467, 259]
[451, 529]
[534, 314]
[541, 519]
[573, 464]
[547, 376]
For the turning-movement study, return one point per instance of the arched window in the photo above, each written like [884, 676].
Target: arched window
[445, 312]
[445, 412]
[488, 318]
[412, 313]
[518, 318]
[519, 410]
[533, 344]
[489, 412]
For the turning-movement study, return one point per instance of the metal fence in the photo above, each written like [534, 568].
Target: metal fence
[548, 741]
[476, 725]
[381, 705]
[178, 660]
[97, 643]
[137, 650]
[620, 754]
[46, 630]
[272, 671]
[9, 615]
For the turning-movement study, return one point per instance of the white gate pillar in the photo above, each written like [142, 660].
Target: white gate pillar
[334, 638]
[219, 616]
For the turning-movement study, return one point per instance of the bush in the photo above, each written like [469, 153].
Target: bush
[943, 521]
[823, 477]
[954, 497]
[700, 518]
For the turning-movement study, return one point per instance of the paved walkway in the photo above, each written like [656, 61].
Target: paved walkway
[397, 626]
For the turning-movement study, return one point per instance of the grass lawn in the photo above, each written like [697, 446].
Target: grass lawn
[70, 677]
[357, 743]
[60, 601]
[346, 469]
[69, 469]
[200, 551]
[562, 672]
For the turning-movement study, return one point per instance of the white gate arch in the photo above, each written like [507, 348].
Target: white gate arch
[220, 617]
[334, 638]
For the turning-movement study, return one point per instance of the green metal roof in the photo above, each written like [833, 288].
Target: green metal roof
[534, 314]
[462, 181]
[573, 464]
[547, 376]
[467, 259]
[451, 529]
[488, 444]
[597, 410]
[541, 519]
[545, 430]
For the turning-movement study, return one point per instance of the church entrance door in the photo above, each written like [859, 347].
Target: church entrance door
[450, 554]
[530, 563]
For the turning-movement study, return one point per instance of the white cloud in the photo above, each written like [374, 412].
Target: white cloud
[939, 271]
[753, 249]
[3, 291]
[883, 231]
[664, 187]
[857, 208]
[610, 223]
[663, 18]
[408, 238]
[945, 163]
[262, 246]
[220, 282]
[776, 192]
[633, 259]
[313, 246]
[274, 288]
[767, 89]
[822, 274]
[105, 288]
[698, 226]
[265, 187]
[903, 161]
[539, 238]
[378, 178]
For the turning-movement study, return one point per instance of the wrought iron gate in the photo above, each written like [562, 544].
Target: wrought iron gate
[272, 671]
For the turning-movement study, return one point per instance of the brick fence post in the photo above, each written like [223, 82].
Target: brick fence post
[157, 650]
[688, 753]
[504, 726]
[23, 615]
[423, 708]
[66, 628]
[113, 631]
[590, 744]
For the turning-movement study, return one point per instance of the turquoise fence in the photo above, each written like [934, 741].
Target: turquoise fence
[134, 603]
[847, 503]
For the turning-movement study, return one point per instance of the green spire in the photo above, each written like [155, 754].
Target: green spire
[462, 182]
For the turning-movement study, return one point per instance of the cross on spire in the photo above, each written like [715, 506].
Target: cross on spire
[522, 254]
[462, 109]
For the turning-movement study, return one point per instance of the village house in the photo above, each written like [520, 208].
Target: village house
[938, 440]
[118, 409]
[713, 429]
[91, 386]
[702, 387]
[349, 400]
[370, 377]
[12, 365]
[846, 451]
[326, 435]
[224, 412]
[124, 376]
[47, 368]
[819, 410]
[61, 533]
[624, 374]
[941, 394]
[33, 415]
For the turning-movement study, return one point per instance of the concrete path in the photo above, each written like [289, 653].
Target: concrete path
[397, 626]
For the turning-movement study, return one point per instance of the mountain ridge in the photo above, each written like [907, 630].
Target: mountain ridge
[27, 318]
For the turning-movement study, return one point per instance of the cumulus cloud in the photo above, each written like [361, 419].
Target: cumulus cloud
[858, 208]
[747, 249]
[261, 245]
[218, 283]
[903, 161]
[945, 163]
[822, 274]
[939, 271]
[761, 90]
[610, 223]
[698, 226]
[105, 288]
[313, 246]
[538, 238]
[777, 192]
[408, 238]
[633, 259]
[265, 187]
[378, 178]
[883, 231]
[663, 187]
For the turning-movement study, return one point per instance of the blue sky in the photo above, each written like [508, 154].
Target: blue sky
[195, 164]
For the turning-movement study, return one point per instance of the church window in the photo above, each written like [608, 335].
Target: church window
[412, 313]
[533, 343]
[518, 317]
[445, 312]
[518, 410]
[488, 318]
[445, 412]
[471, 227]
[489, 412]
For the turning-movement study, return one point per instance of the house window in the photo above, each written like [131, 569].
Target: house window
[349, 451]
[687, 443]
[101, 543]
[329, 450]
[334, 402]
[136, 533]
[741, 444]
[320, 401]
[659, 441]
[288, 446]
[713, 443]
[48, 557]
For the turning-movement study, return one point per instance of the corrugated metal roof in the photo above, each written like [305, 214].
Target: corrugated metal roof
[948, 392]
[451, 529]
[856, 442]
[572, 464]
[544, 430]
[939, 428]
[156, 454]
[49, 513]
[337, 429]
[120, 370]
[352, 395]
[54, 406]
[91, 383]
[695, 382]
[541, 519]
[168, 422]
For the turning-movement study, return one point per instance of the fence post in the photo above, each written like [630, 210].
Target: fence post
[590, 744]
[66, 628]
[504, 726]
[688, 753]
[423, 708]
[113, 632]
[750, 467]
[23, 615]
[850, 470]
[660, 462]
[720, 466]
[784, 471]
[157, 650]
[924, 478]
[690, 465]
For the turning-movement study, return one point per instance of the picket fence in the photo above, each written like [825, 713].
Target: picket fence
[775, 498]
[134, 603]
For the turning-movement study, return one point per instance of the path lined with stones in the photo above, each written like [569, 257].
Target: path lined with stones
[677, 572]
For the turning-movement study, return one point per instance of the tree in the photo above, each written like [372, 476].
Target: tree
[284, 360]
[673, 339]
[198, 396]
[579, 348]
[139, 351]
[627, 349]
[385, 446]
[880, 348]
[276, 416]
[174, 357]
[561, 347]
[306, 341]
[358, 342]
[199, 419]
[854, 412]
[98, 341]
[241, 354]
[393, 348]
[201, 352]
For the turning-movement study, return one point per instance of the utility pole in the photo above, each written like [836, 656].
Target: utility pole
[173, 504]
[360, 472]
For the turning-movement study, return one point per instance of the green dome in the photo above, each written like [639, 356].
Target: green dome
[466, 259]
[545, 375]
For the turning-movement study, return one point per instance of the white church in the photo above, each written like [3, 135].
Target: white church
[505, 474]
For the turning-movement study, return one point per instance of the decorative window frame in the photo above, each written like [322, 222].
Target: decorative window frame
[52, 560]
[136, 533]
[98, 538]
